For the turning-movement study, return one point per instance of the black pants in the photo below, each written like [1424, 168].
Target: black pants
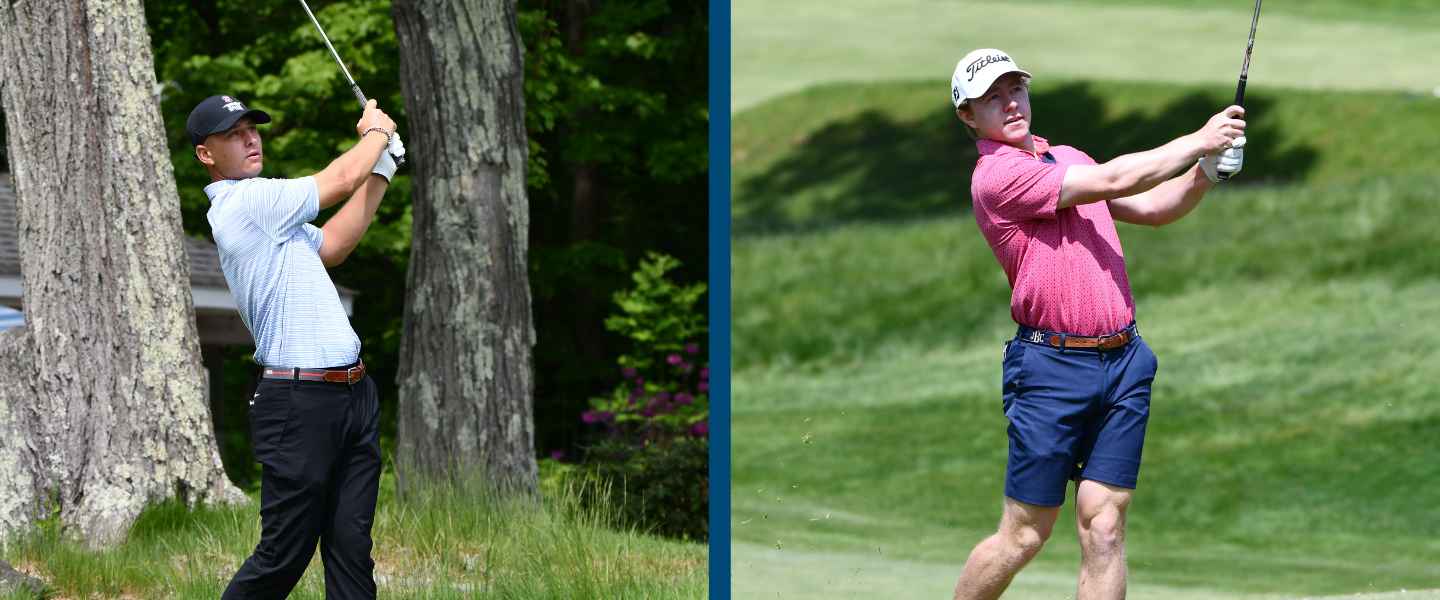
[319, 444]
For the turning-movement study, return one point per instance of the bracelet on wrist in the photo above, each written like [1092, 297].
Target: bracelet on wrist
[388, 136]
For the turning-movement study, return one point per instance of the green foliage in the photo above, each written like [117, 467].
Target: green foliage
[656, 459]
[630, 97]
[657, 313]
[544, 55]
[624, 95]
[659, 488]
[268, 54]
[665, 388]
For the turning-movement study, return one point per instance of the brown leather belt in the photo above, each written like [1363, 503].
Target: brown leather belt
[1104, 342]
[351, 375]
[1064, 342]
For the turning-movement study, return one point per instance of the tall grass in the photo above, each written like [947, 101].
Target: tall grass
[438, 541]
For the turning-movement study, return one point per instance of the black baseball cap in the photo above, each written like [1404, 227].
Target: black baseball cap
[216, 114]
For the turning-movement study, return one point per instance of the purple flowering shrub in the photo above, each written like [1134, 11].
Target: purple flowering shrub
[664, 391]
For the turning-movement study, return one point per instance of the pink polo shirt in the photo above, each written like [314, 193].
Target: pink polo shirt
[1066, 268]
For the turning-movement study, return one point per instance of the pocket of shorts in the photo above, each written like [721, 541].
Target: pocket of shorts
[269, 416]
[1012, 376]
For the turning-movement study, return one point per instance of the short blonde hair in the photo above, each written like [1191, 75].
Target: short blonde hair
[965, 106]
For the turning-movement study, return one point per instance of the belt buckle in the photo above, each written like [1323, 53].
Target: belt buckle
[1100, 341]
[350, 377]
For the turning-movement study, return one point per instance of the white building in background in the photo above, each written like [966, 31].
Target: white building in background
[10, 317]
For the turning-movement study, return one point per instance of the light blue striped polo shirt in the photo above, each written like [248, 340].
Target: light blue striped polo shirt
[270, 255]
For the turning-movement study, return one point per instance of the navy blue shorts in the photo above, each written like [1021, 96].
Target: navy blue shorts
[1077, 413]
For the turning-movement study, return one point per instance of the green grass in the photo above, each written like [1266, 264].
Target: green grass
[1291, 446]
[840, 152]
[439, 542]
[782, 47]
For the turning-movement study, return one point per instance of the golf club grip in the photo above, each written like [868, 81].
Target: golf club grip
[364, 104]
[1239, 97]
[359, 95]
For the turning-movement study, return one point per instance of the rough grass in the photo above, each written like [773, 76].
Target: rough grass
[438, 542]
[1290, 450]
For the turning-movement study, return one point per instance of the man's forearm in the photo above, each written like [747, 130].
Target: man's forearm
[1128, 175]
[344, 230]
[1166, 203]
[1142, 171]
[351, 170]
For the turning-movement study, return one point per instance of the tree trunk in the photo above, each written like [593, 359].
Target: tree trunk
[466, 373]
[584, 204]
[101, 405]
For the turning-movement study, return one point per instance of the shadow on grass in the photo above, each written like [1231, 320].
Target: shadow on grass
[874, 167]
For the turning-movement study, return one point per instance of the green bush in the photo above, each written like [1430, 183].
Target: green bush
[664, 390]
[663, 488]
[653, 465]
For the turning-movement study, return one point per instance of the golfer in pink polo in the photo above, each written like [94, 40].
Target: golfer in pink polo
[1077, 376]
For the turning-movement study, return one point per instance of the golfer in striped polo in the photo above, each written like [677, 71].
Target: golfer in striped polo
[1077, 376]
[315, 413]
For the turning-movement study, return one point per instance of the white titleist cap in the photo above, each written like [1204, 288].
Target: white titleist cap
[974, 73]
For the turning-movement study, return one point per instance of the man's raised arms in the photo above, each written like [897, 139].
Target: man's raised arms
[1136, 184]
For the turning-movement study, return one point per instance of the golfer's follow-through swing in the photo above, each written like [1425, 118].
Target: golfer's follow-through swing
[1076, 378]
[315, 413]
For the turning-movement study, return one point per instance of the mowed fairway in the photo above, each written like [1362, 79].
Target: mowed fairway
[781, 47]
[1292, 450]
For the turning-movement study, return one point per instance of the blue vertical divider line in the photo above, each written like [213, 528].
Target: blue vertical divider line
[720, 298]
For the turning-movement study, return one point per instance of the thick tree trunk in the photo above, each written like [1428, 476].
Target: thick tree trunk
[466, 374]
[101, 405]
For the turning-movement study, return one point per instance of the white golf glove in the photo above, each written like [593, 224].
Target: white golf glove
[1229, 160]
[396, 147]
[386, 166]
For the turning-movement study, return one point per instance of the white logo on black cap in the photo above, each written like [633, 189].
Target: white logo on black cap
[234, 106]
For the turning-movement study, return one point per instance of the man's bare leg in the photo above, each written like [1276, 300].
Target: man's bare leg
[1100, 519]
[995, 561]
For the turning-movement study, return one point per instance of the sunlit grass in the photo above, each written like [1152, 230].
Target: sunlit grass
[782, 47]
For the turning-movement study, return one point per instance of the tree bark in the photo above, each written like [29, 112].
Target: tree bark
[466, 372]
[101, 404]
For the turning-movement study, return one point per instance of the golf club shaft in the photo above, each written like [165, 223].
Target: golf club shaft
[1249, 47]
[1245, 69]
[359, 95]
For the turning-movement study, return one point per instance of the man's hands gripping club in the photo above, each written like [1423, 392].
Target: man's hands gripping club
[394, 154]
[1132, 175]
[1224, 137]
[1139, 187]
[354, 173]
[346, 174]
